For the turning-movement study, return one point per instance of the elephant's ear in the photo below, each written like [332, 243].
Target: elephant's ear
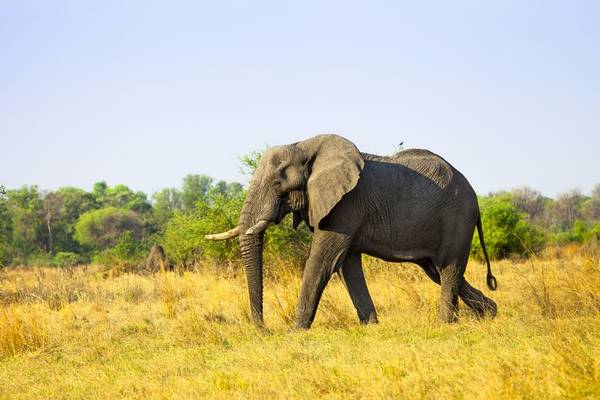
[335, 169]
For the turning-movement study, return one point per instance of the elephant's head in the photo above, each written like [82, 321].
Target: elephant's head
[307, 178]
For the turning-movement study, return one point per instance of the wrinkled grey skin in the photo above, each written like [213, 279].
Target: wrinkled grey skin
[412, 206]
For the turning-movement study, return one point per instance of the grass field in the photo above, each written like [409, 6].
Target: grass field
[79, 333]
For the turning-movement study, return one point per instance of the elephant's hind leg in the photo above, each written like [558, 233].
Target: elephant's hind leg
[448, 277]
[477, 301]
[472, 297]
[450, 282]
[427, 265]
[353, 277]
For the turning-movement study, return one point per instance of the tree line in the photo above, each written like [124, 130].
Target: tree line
[117, 225]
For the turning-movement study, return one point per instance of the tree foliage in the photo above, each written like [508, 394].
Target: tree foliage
[100, 229]
[195, 188]
[127, 251]
[184, 237]
[115, 224]
[25, 208]
[6, 229]
[249, 162]
[164, 205]
[120, 196]
[506, 229]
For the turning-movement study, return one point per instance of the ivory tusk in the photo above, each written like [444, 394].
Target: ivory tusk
[225, 235]
[258, 227]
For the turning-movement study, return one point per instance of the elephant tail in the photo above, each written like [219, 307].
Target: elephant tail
[491, 280]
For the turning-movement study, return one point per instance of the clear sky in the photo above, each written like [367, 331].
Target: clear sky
[144, 92]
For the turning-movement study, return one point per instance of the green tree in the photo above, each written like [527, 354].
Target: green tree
[581, 232]
[75, 203]
[164, 205]
[99, 193]
[227, 189]
[184, 239]
[100, 229]
[121, 196]
[566, 209]
[195, 188]
[249, 162]
[217, 208]
[127, 251]
[52, 206]
[506, 229]
[6, 229]
[530, 202]
[67, 259]
[283, 242]
[590, 208]
[28, 230]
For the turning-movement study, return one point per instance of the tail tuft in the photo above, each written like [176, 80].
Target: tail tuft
[491, 281]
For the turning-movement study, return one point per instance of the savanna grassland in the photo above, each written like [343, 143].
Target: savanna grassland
[87, 333]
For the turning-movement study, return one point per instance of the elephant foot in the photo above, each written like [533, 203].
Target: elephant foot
[485, 309]
[259, 324]
[448, 314]
[301, 326]
[481, 305]
[447, 319]
[370, 319]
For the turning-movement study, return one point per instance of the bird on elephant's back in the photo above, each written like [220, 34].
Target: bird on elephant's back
[412, 206]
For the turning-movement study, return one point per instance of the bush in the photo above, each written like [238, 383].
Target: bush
[100, 229]
[506, 230]
[185, 244]
[127, 252]
[40, 260]
[6, 230]
[580, 232]
[184, 239]
[67, 259]
[284, 242]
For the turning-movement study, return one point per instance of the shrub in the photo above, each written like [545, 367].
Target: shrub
[580, 232]
[40, 260]
[185, 244]
[284, 242]
[100, 229]
[184, 239]
[127, 252]
[6, 230]
[506, 229]
[67, 259]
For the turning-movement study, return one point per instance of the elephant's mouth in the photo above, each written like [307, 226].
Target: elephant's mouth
[296, 200]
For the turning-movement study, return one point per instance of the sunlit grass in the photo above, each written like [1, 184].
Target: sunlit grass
[81, 333]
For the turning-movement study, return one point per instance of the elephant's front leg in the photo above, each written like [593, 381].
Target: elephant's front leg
[354, 279]
[326, 256]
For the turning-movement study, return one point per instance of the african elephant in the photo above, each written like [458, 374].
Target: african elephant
[409, 207]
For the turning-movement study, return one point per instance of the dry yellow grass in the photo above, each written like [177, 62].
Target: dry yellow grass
[79, 334]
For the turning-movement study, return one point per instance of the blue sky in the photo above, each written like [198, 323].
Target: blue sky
[143, 92]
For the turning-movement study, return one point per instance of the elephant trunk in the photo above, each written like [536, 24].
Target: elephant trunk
[251, 248]
[259, 208]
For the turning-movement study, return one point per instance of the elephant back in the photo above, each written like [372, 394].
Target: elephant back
[423, 162]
